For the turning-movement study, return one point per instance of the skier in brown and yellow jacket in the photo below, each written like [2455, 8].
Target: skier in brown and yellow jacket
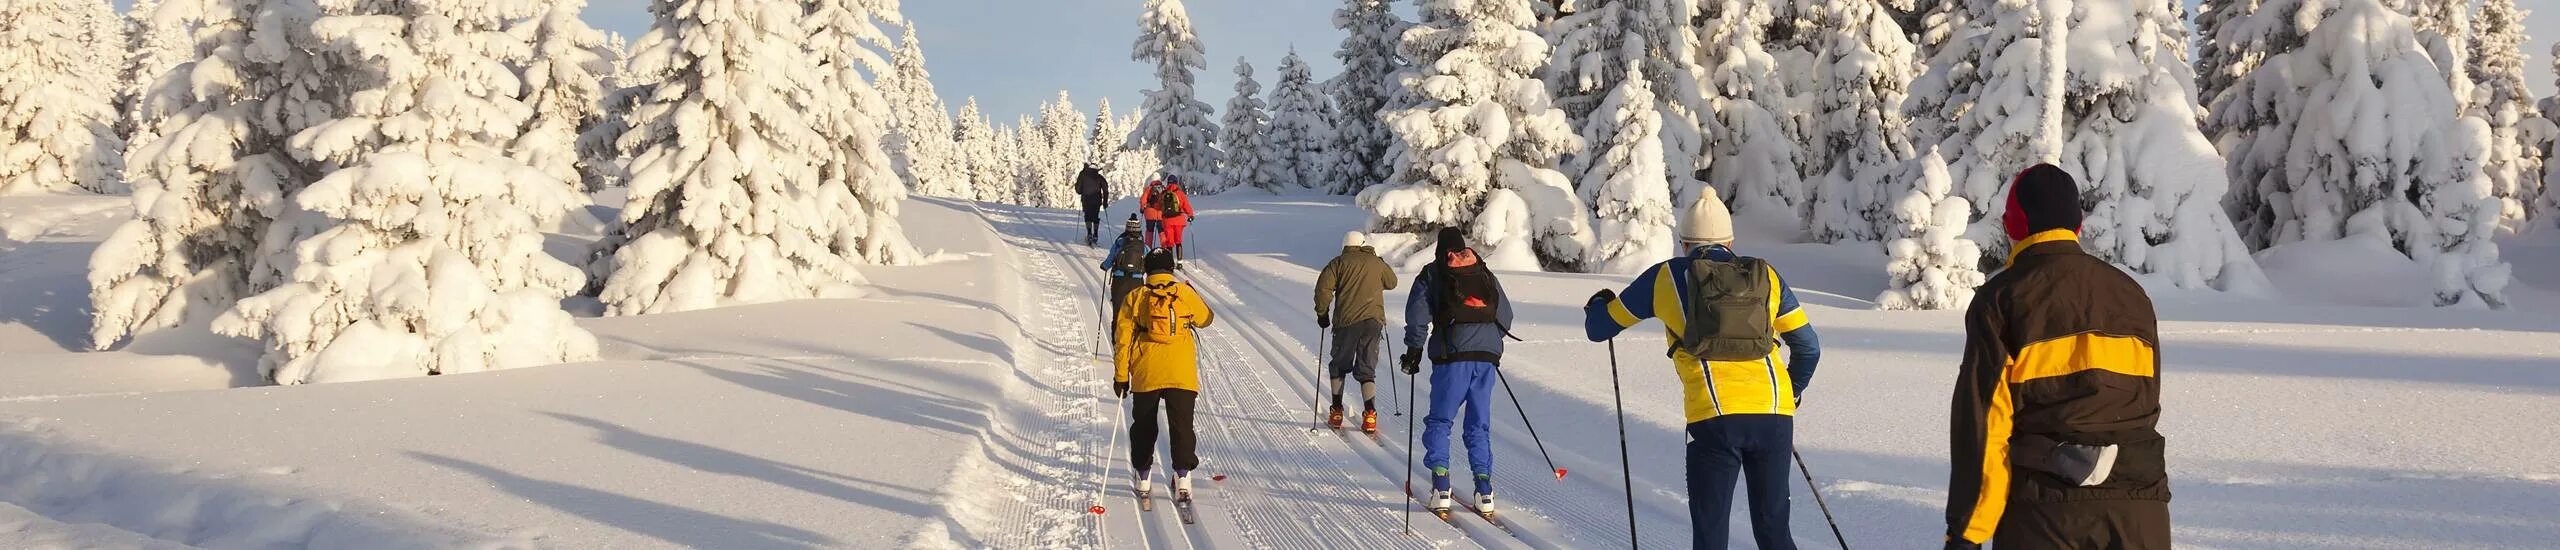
[2055, 439]
[1157, 359]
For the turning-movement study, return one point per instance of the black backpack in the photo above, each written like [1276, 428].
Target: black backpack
[1132, 260]
[1463, 295]
[1728, 310]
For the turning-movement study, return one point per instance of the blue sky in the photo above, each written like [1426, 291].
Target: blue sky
[1015, 54]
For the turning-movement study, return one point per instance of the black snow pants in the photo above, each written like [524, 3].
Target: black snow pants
[1142, 429]
[2084, 525]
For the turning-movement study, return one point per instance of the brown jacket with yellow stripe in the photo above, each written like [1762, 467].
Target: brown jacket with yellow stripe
[2059, 348]
[1156, 349]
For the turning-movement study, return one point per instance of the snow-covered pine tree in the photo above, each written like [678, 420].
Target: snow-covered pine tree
[2444, 29]
[1250, 160]
[1176, 123]
[859, 193]
[1007, 171]
[2373, 148]
[430, 262]
[1137, 162]
[1063, 151]
[1624, 178]
[1478, 146]
[158, 41]
[1992, 104]
[978, 154]
[1361, 91]
[1757, 158]
[723, 126]
[564, 85]
[2152, 182]
[1866, 69]
[1589, 64]
[2497, 64]
[56, 115]
[2252, 32]
[102, 43]
[214, 183]
[1107, 145]
[1300, 131]
[2549, 204]
[1932, 263]
[923, 134]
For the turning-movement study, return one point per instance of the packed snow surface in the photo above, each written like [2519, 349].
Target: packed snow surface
[960, 404]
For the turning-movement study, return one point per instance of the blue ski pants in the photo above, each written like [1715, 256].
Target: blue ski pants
[1756, 446]
[1458, 384]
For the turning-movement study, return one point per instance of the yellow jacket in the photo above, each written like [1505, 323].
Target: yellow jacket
[1157, 348]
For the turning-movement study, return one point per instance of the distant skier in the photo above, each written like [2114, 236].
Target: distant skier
[1157, 360]
[1731, 311]
[1458, 313]
[1127, 263]
[2056, 440]
[1350, 300]
[1147, 202]
[1095, 192]
[1176, 205]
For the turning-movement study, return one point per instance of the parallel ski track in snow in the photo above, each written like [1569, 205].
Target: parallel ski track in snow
[1063, 274]
[1287, 488]
[1534, 504]
[1054, 516]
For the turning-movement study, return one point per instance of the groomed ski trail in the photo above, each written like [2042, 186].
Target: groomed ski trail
[1285, 488]
[1529, 499]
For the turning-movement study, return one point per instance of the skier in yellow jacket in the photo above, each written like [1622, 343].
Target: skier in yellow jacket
[1157, 359]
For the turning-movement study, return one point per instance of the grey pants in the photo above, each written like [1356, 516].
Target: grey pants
[1355, 350]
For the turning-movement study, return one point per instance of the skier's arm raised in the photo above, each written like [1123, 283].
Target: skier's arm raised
[1608, 314]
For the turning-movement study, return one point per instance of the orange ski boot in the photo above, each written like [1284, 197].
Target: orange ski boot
[1369, 422]
[1334, 420]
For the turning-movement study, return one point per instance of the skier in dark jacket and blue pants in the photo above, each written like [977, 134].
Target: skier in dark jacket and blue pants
[1458, 314]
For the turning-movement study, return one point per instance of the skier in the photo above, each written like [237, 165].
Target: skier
[1726, 314]
[1155, 216]
[1458, 313]
[1350, 300]
[1176, 206]
[1156, 359]
[1095, 191]
[1127, 263]
[2057, 405]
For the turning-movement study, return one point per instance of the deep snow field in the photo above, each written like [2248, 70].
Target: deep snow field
[961, 404]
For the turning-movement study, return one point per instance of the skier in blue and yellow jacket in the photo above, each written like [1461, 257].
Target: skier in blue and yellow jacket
[1741, 414]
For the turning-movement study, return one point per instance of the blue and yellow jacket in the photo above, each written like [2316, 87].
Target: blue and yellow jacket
[1724, 387]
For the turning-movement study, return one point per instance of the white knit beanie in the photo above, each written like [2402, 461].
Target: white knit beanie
[1355, 238]
[1708, 221]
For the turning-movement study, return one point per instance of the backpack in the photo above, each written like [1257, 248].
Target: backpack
[1132, 261]
[1158, 321]
[1166, 202]
[1728, 310]
[1465, 295]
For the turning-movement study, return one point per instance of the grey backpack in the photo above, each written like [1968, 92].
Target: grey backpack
[1728, 310]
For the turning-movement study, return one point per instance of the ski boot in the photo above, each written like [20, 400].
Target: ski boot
[1182, 485]
[1484, 495]
[1334, 419]
[1144, 484]
[1369, 422]
[1440, 495]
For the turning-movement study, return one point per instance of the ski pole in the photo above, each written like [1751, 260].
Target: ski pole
[1105, 479]
[1524, 421]
[1817, 499]
[1316, 404]
[1626, 473]
[1409, 495]
[1387, 349]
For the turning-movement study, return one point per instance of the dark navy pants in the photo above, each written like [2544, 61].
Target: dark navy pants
[1757, 446]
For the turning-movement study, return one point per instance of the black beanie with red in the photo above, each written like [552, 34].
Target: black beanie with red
[2042, 198]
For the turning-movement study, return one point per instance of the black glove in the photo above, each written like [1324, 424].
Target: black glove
[1412, 361]
[1120, 389]
[1961, 544]
[1603, 297]
[1324, 321]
